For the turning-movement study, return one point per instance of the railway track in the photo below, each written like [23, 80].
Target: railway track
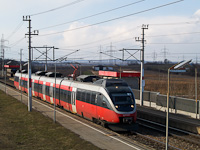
[153, 134]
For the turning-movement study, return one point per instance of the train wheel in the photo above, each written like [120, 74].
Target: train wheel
[103, 123]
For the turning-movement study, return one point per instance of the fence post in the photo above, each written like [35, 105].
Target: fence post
[150, 99]
[199, 109]
[175, 105]
[197, 105]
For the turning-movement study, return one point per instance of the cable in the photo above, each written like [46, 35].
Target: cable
[114, 18]
[16, 29]
[176, 43]
[173, 34]
[11, 45]
[176, 23]
[104, 39]
[66, 5]
[92, 15]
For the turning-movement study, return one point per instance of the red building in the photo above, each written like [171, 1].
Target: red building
[131, 77]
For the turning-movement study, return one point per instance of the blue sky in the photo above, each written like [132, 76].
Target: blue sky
[168, 27]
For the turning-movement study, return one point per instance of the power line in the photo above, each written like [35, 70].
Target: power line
[15, 30]
[60, 7]
[114, 18]
[176, 43]
[17, 42]
[92, 15]
[173, 34]
[176, 23]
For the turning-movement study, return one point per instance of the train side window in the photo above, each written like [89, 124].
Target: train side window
[88, 96]
[102, 101]
[83, 94]
[35, 86]
[57, 93]
[78, 95]
[40, 88]
[99, 99]
[16, 79]
[105, 102]
[69, 96]
[61, 94]
[47, 90]
[25, 84]
[65, 95]
[93, 97]
[51, 94]
[22, 83]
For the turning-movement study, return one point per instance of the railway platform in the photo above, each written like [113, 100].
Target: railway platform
[178, 121]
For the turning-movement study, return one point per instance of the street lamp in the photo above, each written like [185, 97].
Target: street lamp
[174, 68]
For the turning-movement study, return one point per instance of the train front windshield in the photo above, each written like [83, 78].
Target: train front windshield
[123, 101]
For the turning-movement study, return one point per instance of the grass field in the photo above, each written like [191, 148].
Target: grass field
[23, 130]
[180, 85]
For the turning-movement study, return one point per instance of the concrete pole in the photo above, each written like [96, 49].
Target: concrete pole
[142, 70]
[46, 61]
[167, 117]
[196, 91]
[54, 118]
[29, 70]
[21, 72]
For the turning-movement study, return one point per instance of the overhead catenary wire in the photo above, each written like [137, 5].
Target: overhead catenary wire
[177, 43]
[92, 15]
[176, 23]
[15, 30]
[113, 19]
[60, 7]
[17, 42]
[175, 34]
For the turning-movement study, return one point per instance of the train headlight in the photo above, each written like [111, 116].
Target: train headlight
[132, 106]
[116, 106]
[116, 87]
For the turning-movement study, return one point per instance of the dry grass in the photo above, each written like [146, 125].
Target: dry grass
[180, 85]
[22, 130]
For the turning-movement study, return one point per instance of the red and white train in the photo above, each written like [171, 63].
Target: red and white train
[109, 101]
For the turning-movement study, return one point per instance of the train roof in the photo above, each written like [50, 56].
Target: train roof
[111, 82]
[87, 78]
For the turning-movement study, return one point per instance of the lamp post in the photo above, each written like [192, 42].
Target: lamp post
[175, 67]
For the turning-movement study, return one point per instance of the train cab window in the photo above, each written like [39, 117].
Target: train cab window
[123, 101]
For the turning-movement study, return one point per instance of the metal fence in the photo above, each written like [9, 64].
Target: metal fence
[176, 103]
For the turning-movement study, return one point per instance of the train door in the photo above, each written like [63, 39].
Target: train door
[73, 100]
[44, 90]
[93, 106]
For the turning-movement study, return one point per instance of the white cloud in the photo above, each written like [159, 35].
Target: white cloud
[130, 29]
[197, 14]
